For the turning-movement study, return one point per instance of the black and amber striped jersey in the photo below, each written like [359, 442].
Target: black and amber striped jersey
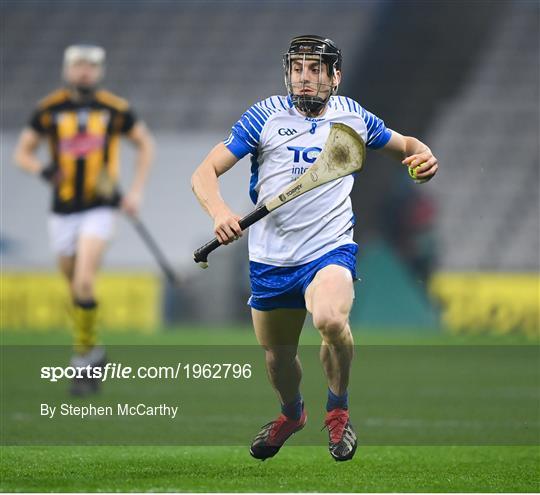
[84, 144]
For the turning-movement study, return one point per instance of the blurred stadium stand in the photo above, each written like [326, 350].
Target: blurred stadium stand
[487, 139]
[468, 86]
[184, 65]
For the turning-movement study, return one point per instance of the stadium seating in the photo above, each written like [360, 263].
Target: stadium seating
[185, 65]
[487, 142]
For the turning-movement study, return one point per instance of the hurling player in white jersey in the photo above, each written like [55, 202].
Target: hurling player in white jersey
[302, 256]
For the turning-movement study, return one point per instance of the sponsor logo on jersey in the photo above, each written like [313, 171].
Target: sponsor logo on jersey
[81, 144]
[296, 171]
[308, 155]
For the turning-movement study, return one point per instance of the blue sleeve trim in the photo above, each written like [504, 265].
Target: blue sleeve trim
[253, 120]
[246, 133]
[281, 103]
[381, 141]
[237, 146]
[258, 116]
[377, 132]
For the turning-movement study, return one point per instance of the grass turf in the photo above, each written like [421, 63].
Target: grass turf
[295, 469]
[194, 335]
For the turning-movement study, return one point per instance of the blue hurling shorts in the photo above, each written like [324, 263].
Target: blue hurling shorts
[274, 287]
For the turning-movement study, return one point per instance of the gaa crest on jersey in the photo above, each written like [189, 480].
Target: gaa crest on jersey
[287, 132]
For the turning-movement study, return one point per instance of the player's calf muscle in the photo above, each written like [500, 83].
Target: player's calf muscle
[83, 286]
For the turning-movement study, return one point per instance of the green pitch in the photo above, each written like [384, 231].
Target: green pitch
[295, 469]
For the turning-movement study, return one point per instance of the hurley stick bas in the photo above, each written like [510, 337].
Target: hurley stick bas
[344, 153]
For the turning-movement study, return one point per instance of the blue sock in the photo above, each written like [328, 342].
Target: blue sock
[337, 401]
[293, 410]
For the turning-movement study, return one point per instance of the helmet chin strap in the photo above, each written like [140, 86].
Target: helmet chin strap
[310, 105]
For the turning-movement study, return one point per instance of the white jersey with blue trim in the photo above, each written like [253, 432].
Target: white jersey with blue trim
[283, 144]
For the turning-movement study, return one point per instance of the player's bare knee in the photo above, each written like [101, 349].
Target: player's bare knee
[331, 326]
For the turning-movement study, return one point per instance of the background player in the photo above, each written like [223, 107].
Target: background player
[302, 257]
[82, 125]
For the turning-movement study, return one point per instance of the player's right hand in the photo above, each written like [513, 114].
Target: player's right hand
[226, 227]
[51, 174]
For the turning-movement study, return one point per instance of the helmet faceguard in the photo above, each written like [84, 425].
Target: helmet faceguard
[305, 49]
[91, 54]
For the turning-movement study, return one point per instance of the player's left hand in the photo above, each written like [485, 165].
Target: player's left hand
[131, 203]
[427, 160]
